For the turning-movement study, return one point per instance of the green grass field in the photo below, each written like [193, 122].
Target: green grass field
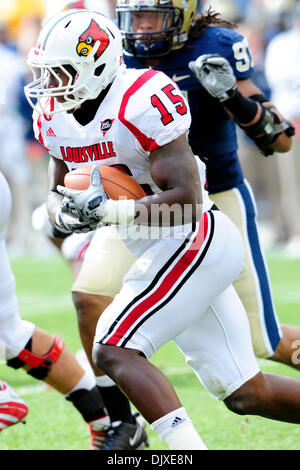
[43, 286]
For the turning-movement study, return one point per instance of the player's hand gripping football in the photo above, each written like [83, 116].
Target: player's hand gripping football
[85, 202]
[215, 74]
[68, 223]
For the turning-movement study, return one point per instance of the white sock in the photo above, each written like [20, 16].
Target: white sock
[178, 432]
[104, 381]
[86, 382]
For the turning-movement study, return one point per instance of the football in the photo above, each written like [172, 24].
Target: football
[116, 183]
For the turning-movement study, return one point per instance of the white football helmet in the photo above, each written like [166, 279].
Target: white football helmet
[83, 47]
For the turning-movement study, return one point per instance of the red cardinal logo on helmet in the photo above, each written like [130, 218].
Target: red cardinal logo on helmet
[89, 38]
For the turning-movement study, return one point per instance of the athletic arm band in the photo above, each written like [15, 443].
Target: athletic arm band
[268, 127]
[117, 212]
[280, 126]
[263, 132]
[243, 109]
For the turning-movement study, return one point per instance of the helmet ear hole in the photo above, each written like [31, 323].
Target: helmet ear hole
[99, 70]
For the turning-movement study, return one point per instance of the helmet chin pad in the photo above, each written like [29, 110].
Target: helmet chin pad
[153, 49]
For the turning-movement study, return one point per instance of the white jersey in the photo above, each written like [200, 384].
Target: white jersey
[142, 111]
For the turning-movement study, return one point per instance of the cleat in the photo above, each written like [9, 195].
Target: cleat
[139, 418]
[126, 436]
[13, 409]
[98, 429]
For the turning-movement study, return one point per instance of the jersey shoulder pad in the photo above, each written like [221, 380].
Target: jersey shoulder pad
[154, 110]
[228, 36]
[235, 48]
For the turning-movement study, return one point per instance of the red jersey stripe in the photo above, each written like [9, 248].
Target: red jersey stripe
[165, 286]
[41, 140]
[83, 250]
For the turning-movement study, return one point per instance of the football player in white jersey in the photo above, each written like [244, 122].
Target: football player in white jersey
[43, 355]
[89, 108]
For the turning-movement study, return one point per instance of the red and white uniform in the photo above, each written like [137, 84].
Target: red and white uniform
[178, 283]
[143, 111]
[152, 113]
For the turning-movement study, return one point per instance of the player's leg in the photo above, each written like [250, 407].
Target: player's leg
[90, 297]
[13, 409]
[15, 166]
[105, 263]
[152, 394]
[147, 313]
[253, 285]
[89, 307]
[218, 347]
[43, 355]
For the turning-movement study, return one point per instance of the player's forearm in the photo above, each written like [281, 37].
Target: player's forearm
[261, 121]
[168, 208]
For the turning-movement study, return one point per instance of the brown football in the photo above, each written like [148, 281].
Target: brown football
[116, 183]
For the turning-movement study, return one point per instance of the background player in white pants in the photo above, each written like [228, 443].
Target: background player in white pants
[42, 354]
[195, 260]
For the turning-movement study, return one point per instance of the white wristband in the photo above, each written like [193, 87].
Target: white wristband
[118, 212]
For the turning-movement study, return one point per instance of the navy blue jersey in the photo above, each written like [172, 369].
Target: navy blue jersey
[212, 133]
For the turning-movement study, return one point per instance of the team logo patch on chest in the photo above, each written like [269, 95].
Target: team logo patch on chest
[106, 125]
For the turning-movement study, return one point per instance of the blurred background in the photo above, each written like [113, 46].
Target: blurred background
[273, 31]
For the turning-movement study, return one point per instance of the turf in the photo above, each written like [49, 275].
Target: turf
[43, 286]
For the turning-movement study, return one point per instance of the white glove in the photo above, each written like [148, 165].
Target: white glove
[86, 202]
[68, 223]
[215, 74]
[69, 207]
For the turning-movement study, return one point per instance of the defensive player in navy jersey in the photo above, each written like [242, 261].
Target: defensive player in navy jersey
[167, 36]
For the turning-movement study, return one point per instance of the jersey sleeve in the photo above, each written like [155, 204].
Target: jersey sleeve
[235, 48]
[39, 128]
[154, 110]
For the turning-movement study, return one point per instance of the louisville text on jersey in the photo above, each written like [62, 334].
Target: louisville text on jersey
[87, 154]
